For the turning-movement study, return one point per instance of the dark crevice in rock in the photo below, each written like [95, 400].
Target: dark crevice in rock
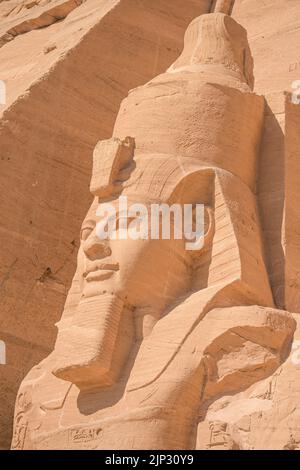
[47, 18]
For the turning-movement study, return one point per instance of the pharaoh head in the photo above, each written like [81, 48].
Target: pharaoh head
[132, 266]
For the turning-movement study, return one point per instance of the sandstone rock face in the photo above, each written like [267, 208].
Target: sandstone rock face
[154, 336]
[158, 347]
[64, 84]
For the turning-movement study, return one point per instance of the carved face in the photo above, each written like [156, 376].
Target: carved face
[141, 272]
[126, 283]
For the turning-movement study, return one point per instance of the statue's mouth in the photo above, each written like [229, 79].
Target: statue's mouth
[100, 272]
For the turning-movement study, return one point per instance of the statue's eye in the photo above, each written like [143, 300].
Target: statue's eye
[124, 222]
[86, 230]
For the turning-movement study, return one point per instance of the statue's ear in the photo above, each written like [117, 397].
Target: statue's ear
[196, 189]
[194, 186]
[202, 231]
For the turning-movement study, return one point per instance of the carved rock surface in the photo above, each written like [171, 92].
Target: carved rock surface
[64, 84]
[67, 66]
[154, 337]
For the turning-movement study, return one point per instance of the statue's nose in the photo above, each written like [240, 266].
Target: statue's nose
[95, 248]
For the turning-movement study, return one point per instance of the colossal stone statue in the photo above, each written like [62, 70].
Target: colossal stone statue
[151, 332]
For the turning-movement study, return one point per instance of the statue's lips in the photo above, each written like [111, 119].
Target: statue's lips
[100, 272]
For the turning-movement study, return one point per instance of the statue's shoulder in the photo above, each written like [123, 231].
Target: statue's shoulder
[41, 388]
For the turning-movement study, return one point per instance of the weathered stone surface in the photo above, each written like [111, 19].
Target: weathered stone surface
[153, 336]
[64, 85]
[198, 347]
